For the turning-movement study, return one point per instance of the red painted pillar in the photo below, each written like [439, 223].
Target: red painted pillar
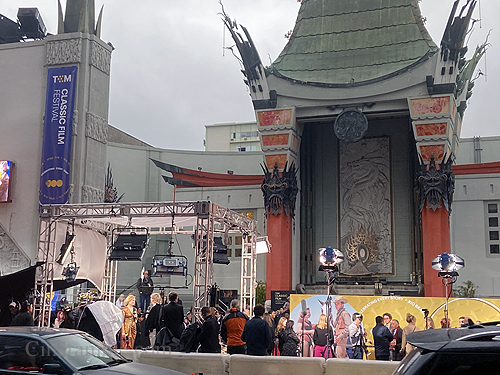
[279, 260]
[435, 241]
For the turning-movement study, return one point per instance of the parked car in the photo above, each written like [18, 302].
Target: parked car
[64, 352]
[459, 351]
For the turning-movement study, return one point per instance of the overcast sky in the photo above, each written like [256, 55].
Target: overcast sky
[170, 75]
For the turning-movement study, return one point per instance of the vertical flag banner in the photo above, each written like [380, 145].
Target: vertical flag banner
[57, 130]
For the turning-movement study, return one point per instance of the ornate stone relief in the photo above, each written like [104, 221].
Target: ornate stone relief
[64, 51]
[96, 128]
[100, 57]
[75, 122]
[12, 258]
[92, 195]
[280, 191]
[366, 206]
[436, 185]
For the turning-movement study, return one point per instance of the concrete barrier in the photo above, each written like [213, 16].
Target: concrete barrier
[189, 363]
[252, 365]
[224, 364]
[339, 366]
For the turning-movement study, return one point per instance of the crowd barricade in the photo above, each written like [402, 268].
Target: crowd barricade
[237, 364]
[189, 363]
[251, 365]
[341, 366]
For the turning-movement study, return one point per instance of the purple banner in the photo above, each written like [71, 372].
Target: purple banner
[57, 130]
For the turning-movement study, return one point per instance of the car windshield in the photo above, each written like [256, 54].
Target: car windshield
[83, 351]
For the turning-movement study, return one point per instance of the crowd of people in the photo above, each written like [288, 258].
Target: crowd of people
[340, 335]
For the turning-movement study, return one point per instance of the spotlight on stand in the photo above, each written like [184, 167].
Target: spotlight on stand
[448, 264]
[70, 271]
[262, 245]
[330, 258]
[65, 248]
[220, 252]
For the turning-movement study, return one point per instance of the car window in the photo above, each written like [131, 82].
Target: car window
[457, 363]
[24, 354]
[82, 351]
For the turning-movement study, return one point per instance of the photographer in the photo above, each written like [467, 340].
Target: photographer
[357, 335]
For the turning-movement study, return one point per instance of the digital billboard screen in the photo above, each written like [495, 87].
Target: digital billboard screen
[5, 168]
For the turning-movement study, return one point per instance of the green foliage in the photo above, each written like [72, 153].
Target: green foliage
[260, 292]
[468, 289]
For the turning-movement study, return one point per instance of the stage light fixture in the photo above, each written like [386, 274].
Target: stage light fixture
[448, 263]
[65, 248]
[262, 245]
[70, 271]
[330, 258]
[129, 244]
[220, 252]
[169, 265]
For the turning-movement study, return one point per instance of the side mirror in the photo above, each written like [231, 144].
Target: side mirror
[53, 368]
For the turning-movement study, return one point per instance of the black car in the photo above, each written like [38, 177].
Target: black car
[469, 350]
[65, 352]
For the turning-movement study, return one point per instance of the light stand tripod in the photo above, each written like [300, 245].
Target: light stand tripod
[329, 259]
[448, 278]
[330, 345]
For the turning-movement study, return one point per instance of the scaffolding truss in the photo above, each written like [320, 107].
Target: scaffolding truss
[204, 216]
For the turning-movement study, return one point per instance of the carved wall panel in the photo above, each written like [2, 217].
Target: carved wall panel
[366, 207]
[96, 128]
[12, 258]
[92, 195]
[100, 57]
[64, 51]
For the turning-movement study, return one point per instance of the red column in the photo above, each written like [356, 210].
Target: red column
[279, 260]
[435, 241]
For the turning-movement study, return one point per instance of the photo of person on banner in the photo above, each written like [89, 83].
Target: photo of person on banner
[341, 327]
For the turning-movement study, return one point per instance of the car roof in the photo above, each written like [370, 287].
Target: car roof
[43, 332]
[453, 338]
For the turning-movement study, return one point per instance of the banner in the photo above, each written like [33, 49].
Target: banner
[57, 131]
[478, 309]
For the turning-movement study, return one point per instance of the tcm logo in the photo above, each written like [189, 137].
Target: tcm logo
[53, 183]
[62, 78]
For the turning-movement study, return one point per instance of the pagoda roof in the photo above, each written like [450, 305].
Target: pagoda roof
[341, 43]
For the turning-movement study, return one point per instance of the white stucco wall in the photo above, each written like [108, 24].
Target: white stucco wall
[22, 100]
[489, 150]
[469, 231]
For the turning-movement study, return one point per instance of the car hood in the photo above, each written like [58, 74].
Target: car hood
[131, 368]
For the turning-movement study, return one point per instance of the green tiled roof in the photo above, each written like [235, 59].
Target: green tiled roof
[338, 42]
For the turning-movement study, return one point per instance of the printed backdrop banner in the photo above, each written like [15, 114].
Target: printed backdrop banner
[478, 309]
[57, 130]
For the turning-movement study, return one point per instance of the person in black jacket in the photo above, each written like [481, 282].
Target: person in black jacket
[289, 339]
[24, 318]
[397, 334]
[153, 319]
[145, 288]
[172, 315]
[382, 338]
[208, 337]
[256, 333]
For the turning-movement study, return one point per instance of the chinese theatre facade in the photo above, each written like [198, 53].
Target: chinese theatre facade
[362, 113]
